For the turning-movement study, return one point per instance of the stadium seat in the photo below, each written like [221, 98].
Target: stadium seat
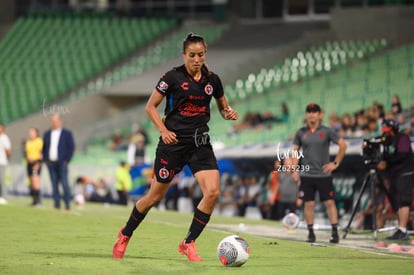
[51, 53]
[363, 76]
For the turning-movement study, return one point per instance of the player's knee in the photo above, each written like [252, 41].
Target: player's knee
[212, 194]
[155, 200]
[150, 201]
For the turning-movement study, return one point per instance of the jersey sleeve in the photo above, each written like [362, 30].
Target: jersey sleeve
[333, 136]
[164, 84]
[218, 86]
[296, 139]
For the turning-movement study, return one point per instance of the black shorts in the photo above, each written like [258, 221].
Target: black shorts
[401, 190]
[309, 186]
[34, 168]
[170, 159]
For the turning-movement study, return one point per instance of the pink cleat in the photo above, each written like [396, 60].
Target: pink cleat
[190, 250]
[120, 246]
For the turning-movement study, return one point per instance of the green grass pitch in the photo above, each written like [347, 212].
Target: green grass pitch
[47, 241]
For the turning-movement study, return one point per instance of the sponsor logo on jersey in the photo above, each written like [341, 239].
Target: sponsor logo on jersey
[191, 110]
[184, 86]
[196, 97]
[208, 89]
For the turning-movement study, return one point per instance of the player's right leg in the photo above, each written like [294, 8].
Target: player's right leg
[307, 194]
[140, 210]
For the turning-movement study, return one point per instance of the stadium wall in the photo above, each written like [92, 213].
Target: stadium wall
[393, 23]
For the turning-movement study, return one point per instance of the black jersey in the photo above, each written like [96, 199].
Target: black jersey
[187, 108]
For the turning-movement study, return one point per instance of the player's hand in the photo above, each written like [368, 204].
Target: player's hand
[168, 137]
[230, 114]
[329, 167]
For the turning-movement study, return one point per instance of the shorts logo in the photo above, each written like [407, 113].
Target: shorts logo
[208, 89]
[163, 173]
[163, 86]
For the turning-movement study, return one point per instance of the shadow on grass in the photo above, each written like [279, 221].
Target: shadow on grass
[91, 255]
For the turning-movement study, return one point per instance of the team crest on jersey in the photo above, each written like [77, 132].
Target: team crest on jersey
[163, 173]
[208, 89]
[163, 86]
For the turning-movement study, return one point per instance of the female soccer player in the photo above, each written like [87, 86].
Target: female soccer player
[188, 90]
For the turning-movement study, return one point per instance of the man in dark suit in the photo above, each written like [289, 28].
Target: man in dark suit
[58, 150]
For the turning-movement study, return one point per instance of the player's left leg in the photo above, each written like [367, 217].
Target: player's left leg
[138, 214]
[209, 181]
[326, 192]
[333, 219]
[404, 198]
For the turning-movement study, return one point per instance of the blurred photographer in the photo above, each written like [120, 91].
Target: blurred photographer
[398, 166]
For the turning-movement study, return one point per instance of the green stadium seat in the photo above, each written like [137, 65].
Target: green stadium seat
[72, 48]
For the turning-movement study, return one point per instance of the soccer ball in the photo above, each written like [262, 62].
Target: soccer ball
[291, 221]
[233, 251]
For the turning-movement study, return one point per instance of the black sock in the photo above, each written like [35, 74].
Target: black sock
[200, 221]
[334, 229]
[310, 228]
[32, 195]
[36, 196]
[134, 220]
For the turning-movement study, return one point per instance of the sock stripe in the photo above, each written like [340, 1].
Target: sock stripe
[199, 221]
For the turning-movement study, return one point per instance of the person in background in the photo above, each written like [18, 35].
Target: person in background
[410, 126]
[184, 140]
[398, 166]
[227, 202]
[58, 149]
[396, 107]
[123, 182]
[33, 156]
[273, 192]
[136, 150]
[84, 188]
[314, 140]
[288, 188]
[5, 153]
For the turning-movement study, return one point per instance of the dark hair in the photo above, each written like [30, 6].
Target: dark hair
[193, 38]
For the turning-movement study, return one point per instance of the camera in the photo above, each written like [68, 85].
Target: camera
[372, 150]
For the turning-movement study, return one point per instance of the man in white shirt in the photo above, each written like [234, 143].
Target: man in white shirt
[5, 153]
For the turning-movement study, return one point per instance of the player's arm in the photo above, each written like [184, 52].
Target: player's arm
[153, 102]
[295, 162]
[225, 110]
[8, 148]
[329, 167]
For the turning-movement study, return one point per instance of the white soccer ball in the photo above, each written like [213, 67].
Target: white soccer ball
[233, 251]
[291, 221]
